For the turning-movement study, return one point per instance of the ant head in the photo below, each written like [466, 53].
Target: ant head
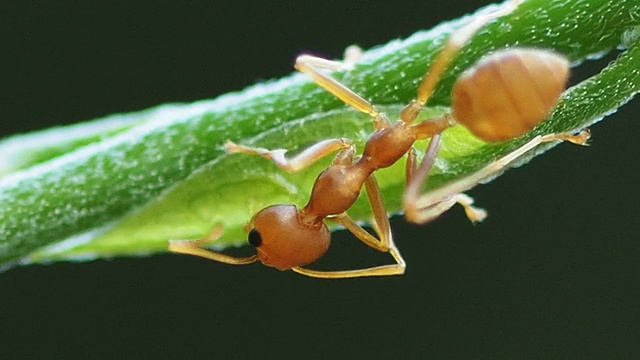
[283, 241]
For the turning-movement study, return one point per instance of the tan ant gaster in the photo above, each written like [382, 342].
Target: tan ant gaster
[502, 97]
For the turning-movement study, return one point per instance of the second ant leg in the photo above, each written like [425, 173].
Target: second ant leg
[384, 243]
[307, 157]
[430, 199]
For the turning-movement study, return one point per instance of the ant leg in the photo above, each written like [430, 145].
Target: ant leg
[194, 247]
[430, 127]
[416, 177]
[311, 65]
[307, 157]
[422, 208]
[383, 244]
[451, 48]
[352, 54]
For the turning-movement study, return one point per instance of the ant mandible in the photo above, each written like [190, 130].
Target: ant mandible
[502, 97]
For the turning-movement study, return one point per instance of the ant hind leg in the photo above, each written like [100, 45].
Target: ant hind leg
[416, 177]
[420, 208]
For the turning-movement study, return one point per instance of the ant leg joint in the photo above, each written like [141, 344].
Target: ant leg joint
[411, 111]
[380, 120]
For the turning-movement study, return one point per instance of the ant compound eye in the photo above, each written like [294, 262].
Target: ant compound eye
[254, 238]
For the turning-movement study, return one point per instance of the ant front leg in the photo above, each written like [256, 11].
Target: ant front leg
[307, 157]
[420, 208]
[383, 244]
[312, 66]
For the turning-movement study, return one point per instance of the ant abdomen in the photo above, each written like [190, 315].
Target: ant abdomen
[509, 92]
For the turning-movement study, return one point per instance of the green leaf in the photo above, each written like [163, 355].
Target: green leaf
[126, 184]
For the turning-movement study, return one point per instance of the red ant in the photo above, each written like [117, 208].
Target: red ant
[502, 97]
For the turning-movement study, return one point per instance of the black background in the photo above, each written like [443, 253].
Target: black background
[553, 272]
